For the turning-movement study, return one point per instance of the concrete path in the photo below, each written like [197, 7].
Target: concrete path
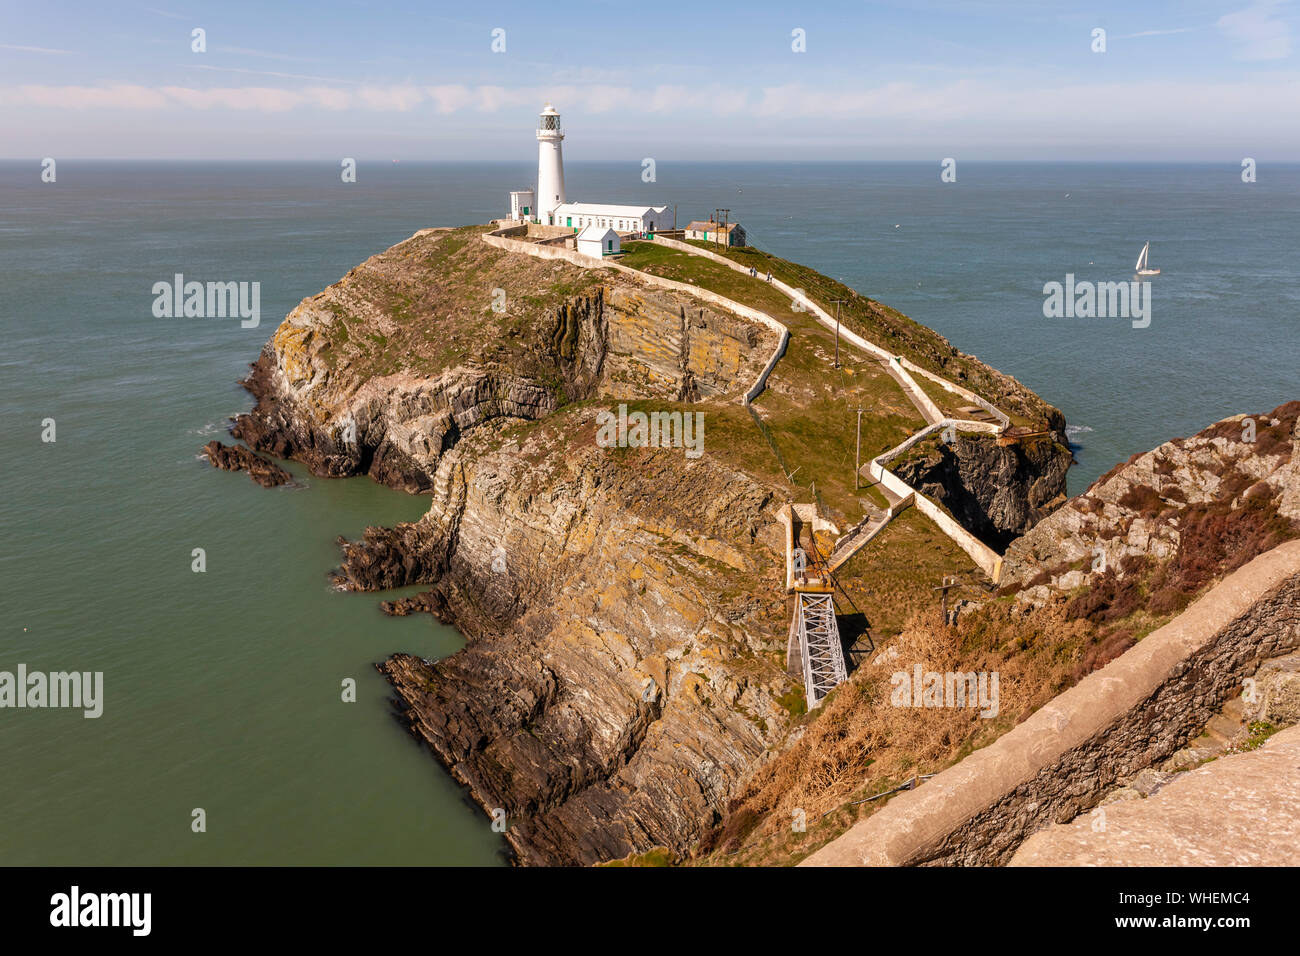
[893, 364]
[898, 369]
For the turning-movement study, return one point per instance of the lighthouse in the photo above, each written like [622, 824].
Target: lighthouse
[550, 165]
[550, 207]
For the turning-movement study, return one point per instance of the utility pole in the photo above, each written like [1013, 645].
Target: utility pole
[837, 331]
[718, 223]
[857, 454]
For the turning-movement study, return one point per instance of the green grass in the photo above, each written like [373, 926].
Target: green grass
[891, 578]
[426, 305]
[1259, 731]
[794, 702]
[659, 856]
[809, 407]
[889, 329]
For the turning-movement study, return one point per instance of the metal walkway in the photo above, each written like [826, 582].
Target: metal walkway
[814, 646]
[815, 638]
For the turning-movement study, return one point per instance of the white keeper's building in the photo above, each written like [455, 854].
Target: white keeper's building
[580, 215]
[549, 205]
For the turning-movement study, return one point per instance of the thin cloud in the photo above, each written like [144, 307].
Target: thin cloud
[1154, 33]
[973, 110]
[1257, 31]
[253, 98]
[265, 54]
[122, 96]
[287, 76]
[399, 99]
[33, 49]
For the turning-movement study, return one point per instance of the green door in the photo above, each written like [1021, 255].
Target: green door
[568, 221]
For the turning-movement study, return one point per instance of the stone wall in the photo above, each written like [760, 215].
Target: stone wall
[988, 560]
[965, 393]
[1133, 713]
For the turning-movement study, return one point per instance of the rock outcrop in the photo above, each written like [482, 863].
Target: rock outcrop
[622, 607]
[238, 458]
[996, 491]
[388, 403]
[615, 682]
[1274, 697]
[1204, 505]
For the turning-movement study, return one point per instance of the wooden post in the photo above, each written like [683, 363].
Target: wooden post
[947, 583]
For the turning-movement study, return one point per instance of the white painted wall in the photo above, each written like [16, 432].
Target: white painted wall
[523, 204]
[597, 242]
[550, 175]
[988, 560]
[614, 216]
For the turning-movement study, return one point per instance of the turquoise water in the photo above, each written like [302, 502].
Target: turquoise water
[223, 688]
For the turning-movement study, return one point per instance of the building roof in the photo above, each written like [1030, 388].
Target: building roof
[597, 232]
[701, 225]
[606, 209]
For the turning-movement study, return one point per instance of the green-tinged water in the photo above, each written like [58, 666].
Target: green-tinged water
[223, 688]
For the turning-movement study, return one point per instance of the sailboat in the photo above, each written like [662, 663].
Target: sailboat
[1143, 266]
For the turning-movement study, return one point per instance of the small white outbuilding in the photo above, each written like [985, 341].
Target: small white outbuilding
[523, 205]
[598, 241]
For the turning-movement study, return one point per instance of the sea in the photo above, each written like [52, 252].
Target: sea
[228, 734]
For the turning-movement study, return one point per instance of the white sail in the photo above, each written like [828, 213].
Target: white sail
[1142, 258]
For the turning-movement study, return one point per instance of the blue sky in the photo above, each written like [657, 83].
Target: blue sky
[1192, 80]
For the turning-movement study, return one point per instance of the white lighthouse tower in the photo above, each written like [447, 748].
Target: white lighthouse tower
[550, 165]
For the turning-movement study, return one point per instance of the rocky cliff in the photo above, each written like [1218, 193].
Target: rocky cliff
[383, 372]
[1186, 512]
[623, 608]
[996, 491]
[619, 673]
